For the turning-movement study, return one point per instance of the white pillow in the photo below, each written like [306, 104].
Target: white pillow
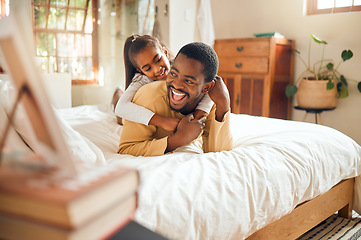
[80, 147]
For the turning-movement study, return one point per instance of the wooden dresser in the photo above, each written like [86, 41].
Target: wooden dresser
[256, 72]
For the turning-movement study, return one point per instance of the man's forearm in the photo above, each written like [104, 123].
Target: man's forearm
[173, 142]
[220, 96]
[221, 111]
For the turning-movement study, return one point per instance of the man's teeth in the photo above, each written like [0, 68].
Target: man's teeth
[178, 94]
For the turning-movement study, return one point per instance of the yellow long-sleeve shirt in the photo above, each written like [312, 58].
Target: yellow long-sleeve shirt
[141, 140]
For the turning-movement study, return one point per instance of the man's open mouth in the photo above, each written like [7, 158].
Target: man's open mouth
[177, 96]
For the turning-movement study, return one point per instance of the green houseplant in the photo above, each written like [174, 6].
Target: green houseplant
[331, 84]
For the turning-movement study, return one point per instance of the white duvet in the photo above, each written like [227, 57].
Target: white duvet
[276, 165]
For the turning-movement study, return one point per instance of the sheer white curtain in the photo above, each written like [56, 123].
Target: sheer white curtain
[205, 22]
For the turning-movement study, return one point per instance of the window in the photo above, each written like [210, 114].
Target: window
[332, 6]
[65, 33]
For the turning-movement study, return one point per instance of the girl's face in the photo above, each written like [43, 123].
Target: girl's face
[153, 62]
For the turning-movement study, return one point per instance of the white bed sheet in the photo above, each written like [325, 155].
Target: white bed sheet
[276, 165]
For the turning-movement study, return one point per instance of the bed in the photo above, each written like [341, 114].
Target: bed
[282, 178]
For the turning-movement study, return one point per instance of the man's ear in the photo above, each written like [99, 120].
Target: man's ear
[208, 87]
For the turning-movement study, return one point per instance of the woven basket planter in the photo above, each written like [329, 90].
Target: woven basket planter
[314, 94]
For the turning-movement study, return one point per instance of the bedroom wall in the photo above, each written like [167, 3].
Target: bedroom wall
[177, 24]
[242, 18]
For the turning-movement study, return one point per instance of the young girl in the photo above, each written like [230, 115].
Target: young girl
[147, 60]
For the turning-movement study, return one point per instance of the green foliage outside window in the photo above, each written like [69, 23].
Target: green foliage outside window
[63, 35]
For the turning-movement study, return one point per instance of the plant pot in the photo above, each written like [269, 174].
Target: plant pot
[314, 94]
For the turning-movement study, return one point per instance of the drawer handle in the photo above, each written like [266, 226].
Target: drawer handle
[240, 48]
[238, 65]
[237, 100]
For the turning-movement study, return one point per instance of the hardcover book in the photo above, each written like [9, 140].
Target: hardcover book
[33, 195]
[102, 227]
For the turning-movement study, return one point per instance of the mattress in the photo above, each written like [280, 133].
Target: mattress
[275, 165]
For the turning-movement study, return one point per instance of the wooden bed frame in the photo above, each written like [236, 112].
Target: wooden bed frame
[310, 213]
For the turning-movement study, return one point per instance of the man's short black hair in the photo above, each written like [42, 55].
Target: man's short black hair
[206, 55]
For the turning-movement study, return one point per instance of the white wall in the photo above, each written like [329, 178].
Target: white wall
[242, 18]
[178, 24]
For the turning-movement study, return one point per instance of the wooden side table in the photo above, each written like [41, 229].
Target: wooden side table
[316, 111]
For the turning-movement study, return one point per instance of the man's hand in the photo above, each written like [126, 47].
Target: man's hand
[220, 96]
[188, 129]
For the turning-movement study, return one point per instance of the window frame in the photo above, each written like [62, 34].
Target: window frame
[94, 35]
[312, 8]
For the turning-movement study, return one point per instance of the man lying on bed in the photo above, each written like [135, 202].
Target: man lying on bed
[192, 75]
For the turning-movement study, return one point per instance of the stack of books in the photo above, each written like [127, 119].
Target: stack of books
[32, 207]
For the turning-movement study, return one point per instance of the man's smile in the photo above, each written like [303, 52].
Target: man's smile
[177, 96]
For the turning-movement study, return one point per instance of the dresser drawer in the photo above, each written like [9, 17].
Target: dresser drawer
[239, 48]
[243, 65]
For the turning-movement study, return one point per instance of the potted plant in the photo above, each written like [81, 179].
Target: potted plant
[321, 84]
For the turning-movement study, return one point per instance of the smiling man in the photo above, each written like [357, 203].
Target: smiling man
[192, 75]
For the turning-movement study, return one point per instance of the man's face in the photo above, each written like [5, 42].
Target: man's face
[185, 83]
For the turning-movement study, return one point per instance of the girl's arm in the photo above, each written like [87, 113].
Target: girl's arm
[169, 124]
[204, 107]
[126, 109]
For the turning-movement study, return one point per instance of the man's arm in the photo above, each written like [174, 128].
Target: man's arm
[220, 96]
[217, 133]
[142, 140]
[138, 140]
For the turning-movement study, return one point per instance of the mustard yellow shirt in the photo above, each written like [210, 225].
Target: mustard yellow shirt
[142, 140]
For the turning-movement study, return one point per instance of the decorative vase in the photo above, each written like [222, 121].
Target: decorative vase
[314, 94]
